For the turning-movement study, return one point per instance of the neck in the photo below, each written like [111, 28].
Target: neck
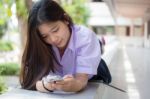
[61, 51]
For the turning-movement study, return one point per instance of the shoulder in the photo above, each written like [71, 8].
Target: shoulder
[82, 31]
[83, 35]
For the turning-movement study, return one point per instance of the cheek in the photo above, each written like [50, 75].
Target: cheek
[64, 34]
[68, 35]
[47, 41]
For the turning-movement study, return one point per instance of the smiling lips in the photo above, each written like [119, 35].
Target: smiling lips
[58, 43]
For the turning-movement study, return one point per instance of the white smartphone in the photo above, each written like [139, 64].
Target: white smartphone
[52, 78]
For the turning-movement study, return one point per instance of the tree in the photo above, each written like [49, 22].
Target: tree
[23, 7]
[77, 9]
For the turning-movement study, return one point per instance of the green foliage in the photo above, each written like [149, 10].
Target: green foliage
[5, 46]
[6, 13]
[22, 11]
[77, 10]
[2, 29]
[3, 87]
[9, 69]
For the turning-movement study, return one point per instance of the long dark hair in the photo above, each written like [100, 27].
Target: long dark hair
[39, 58]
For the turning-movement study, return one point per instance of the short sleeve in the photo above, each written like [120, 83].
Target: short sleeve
[88, 55]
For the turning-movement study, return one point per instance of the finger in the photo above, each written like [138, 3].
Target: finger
[49, 86]
[60, 82]
[68, 76]
[57, 86]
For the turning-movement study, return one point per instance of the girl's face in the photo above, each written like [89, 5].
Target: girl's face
[55, 33]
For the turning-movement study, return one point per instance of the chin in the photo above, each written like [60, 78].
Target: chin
[60, 47]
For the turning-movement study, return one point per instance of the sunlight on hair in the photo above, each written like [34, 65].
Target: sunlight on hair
[132, 90]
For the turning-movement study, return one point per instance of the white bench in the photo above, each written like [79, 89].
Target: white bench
[92, 91]
[88, 93]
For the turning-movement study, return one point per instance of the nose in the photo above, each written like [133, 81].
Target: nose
[53, 39]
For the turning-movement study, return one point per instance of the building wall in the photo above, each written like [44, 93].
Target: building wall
[120, 30]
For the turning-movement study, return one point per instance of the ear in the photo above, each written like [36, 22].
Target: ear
[66, 18]
[66, 22]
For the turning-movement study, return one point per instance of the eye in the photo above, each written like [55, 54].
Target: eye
[44, 37]
[55, 30]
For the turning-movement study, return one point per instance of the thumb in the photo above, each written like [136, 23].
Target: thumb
[68, 76]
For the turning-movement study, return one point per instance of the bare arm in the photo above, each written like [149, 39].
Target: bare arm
[69, 84]
[81, 81]
[72, 84]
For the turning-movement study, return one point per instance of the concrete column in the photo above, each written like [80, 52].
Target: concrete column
[148, 29]
[147, 34]
[132, 28]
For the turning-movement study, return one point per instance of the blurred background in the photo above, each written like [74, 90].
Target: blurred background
[122, 25]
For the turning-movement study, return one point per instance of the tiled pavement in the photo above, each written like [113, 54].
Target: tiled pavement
[130, 68]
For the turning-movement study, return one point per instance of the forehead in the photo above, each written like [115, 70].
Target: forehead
[46, 27]
[49, 24]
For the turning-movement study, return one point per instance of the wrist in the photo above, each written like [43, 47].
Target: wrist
[43, 84]
[39, 86]
[79, 85]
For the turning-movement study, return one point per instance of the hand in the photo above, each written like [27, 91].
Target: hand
[66, 84]
[39, 86]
